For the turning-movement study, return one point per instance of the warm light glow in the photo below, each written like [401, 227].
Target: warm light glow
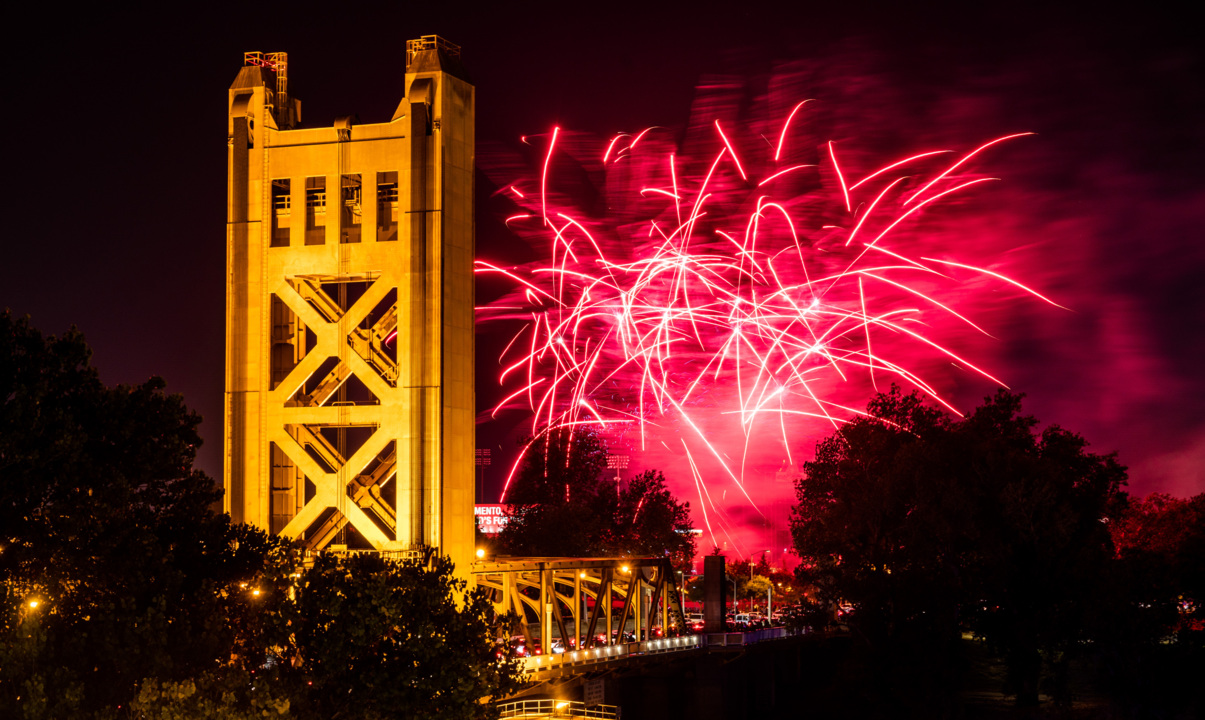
[33, 603]
[255, 592]
[480, 553]
[625, 569]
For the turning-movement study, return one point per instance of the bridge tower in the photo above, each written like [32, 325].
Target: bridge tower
[349, 406]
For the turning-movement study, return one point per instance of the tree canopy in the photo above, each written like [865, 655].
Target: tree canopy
[357, 637]
[927, 525]
[121, 587]
[561, 505]
[114, 565]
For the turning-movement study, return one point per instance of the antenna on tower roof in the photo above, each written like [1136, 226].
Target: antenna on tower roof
[278, 63]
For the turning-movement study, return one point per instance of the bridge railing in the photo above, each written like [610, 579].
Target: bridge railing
[745, 638]
[591, 656]
[610, 653]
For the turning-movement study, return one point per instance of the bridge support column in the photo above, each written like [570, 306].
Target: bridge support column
[635, 595]
[546, 599]
[577, 610]
[714, 587]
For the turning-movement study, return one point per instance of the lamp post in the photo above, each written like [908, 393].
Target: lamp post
[750, 579]
[682, 598]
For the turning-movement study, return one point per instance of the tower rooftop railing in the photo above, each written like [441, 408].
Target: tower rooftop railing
[431, 42]
[548, 708]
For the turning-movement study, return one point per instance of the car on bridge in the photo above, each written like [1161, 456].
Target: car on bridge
[521, 648]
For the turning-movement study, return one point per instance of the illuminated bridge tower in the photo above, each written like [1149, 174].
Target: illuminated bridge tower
[349, 314]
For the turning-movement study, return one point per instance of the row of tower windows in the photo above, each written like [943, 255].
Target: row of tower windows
[349, 209]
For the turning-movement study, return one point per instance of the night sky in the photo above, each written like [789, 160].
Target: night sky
[116, 179]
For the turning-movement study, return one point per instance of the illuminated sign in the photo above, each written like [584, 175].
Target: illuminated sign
[490, 518]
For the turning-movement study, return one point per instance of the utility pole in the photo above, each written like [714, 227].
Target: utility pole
[483, 461]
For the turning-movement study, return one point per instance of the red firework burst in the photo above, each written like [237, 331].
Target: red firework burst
[726, 296]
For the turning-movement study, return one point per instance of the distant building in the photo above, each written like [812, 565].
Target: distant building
[349, 313]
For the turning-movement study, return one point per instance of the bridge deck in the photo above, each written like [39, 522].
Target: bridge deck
[574, 662]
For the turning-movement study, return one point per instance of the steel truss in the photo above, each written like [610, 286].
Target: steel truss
[563, 595]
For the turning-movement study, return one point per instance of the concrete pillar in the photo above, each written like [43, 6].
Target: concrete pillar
[715, 588]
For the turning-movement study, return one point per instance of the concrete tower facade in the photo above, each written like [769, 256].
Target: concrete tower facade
[349, 314]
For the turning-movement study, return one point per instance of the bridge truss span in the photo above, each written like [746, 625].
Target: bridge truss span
[585, 598]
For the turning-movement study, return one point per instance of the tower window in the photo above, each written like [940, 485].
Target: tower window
[315, 211]
[386, 206]
[281, 205]
[351, 209]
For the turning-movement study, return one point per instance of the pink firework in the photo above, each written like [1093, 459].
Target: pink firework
[727, 300]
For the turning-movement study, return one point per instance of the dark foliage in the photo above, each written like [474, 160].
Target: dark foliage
[1041, 540]
[109, 531]
[122, 593]
[1149, 623]
[561, 505]
[928, 526]
[369, 638]
[359, 637]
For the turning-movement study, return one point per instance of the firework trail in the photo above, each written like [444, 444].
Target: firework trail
[732, 294]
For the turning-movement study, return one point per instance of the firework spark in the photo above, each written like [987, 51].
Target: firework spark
[719, 309]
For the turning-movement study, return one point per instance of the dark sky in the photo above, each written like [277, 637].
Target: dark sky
[115, 190]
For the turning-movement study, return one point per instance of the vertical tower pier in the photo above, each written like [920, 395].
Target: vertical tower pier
[349, 402]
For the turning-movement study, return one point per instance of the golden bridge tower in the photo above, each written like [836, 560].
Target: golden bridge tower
[349, 314]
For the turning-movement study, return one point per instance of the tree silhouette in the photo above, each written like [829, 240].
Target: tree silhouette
[561, 505]
[114, 566]
[927, 526]
[121, 588]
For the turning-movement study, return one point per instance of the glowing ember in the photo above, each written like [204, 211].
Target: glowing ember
[727, 299]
